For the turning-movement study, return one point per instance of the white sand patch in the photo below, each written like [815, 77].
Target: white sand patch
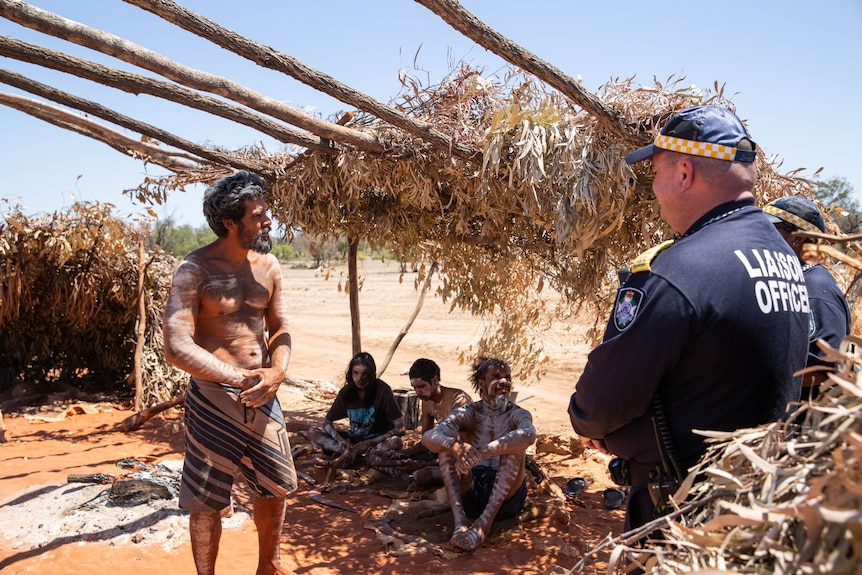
[78, 512]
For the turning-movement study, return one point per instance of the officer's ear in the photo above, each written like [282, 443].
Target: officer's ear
[685, 173]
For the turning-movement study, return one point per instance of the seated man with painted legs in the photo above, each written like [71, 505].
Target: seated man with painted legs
[482, 449]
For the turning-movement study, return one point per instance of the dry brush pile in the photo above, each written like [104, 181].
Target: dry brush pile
[69, 303]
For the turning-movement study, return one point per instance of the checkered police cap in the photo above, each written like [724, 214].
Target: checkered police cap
[708, 131]
[796, 210]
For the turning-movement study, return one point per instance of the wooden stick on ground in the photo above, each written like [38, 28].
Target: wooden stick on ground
[383, 526]
[134, 422]
[318, 497]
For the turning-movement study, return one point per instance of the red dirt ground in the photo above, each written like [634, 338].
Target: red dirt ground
[317, 539]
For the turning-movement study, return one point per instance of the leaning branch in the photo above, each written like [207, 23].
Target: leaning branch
[138, 84]
[123, 144]
[284, 63]
[94, 109]
[426, 285]
[55, 25]
[467, 24]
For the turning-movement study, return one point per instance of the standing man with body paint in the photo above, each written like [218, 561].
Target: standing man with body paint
[708, 329]
[226, 326]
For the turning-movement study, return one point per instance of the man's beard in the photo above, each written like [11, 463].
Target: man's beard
[260, 244]
[500, 401]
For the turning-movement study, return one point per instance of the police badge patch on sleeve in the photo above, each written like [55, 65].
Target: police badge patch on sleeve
[626, 308]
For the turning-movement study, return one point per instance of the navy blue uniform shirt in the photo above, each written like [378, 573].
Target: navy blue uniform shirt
[716, 327]
[830, 314]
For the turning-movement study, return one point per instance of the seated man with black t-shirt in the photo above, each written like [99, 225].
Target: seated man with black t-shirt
[369, 405]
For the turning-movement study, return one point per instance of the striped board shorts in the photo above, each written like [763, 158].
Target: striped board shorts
[224, 437]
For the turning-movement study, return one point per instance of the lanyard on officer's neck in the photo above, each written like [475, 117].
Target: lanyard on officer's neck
[712, 220]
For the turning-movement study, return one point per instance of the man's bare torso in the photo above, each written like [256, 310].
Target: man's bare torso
[478, 424]
[231, 312]
[451, 398]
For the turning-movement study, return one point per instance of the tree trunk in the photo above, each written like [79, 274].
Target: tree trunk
[94, 109]
[120, 142]
[268, 58]
[138, 84]
[129, 52]
[353, 290]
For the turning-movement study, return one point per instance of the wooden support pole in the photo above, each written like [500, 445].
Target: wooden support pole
[141, 329]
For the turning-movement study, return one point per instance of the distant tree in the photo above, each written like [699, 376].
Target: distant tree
[178, 240]
[836, 196]
[285, 252]
[322, 250]
[204, 235]
[160, 231]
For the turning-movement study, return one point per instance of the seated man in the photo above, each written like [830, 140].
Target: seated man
[482, 449]
[416, 463]
[369, 405]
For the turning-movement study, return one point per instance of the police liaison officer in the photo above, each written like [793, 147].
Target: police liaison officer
[830, 315]
[709, 328]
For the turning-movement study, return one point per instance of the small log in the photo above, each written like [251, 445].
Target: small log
[100, 478]
[134, 422]
[131, 492]
[408, 401]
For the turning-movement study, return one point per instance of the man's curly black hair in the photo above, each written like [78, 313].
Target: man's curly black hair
[226, 197]
[424, 369]
[481, 365]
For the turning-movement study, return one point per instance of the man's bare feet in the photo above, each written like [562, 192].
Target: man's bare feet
[467, 540]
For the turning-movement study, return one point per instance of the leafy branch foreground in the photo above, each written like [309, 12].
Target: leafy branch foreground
[781, 498]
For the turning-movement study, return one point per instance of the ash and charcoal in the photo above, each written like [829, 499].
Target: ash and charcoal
[142, 483]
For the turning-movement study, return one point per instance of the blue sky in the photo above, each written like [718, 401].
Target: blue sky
[792, 67]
